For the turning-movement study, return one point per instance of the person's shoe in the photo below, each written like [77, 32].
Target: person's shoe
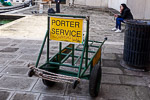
[118, 31]
[114, 29]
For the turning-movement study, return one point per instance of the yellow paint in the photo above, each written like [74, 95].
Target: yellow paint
[97, 57]
[63, 29]
[67, 50]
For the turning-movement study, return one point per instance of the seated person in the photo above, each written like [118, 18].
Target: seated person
[125, 14]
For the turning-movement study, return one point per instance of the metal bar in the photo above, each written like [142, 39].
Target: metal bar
[82, 73]
[77, 59]
[59, 56]
[92, 59]
[67, 65]
[97, 51]
[86, 55]
[86, 76]
[80, 50]
[92, 42]
[73, 54]
[55, 55]
[81, 61]
[48, 40]
[95, 41]
[94, 46]
[41, 50]
[61, 15]
[67, 56]
[42, 65]
[82, 56]
[60, 71]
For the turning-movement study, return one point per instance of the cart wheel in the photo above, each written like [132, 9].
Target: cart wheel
[48, 83]
[31, 73]
[95, 80]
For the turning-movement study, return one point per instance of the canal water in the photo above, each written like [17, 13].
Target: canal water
[5, 21]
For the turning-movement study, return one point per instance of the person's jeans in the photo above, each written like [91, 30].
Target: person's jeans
[118, 22]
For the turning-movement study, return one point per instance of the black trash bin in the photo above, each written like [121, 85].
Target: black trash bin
[136, 54]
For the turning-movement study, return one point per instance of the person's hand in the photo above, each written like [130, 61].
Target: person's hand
[115, 15]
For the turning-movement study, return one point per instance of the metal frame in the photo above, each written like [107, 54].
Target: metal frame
[63, 54]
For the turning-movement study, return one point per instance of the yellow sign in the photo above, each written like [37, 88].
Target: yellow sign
[97, 57]
[69, 30]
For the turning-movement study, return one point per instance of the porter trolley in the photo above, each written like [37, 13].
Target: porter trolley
[84, 54]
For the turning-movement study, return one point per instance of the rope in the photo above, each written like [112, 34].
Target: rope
[53, 76]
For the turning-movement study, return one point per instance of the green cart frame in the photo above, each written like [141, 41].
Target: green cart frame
[89, 67]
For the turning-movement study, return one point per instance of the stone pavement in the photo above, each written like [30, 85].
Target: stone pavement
[16, 51]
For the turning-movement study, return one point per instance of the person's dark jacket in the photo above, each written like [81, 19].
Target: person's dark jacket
[58, 1]
[126, 13]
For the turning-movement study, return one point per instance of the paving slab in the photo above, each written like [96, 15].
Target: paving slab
[3, 62]
[9, 49]
[58, 88]
[119, 56]
[30, 46]
[117, 92]
[142, 93]
[111, 63]
[1, 68]
[5, 95]
[25, 96]
[17, 63]
[86, 98]
[110, 56]
[17, 83]
[110, 70]
[111, 79]
[28, 57]
[8, 55]
[16, 71]
[53, 97]
[17, 41]
[28, 51]
[4, 44]
[134, 73]
[5, 40]
[81, 90]
[133, 80]
[147, 79]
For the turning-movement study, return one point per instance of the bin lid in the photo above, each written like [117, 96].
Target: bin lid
[139, 22]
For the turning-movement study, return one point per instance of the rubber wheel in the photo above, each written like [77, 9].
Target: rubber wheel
[31, 73]
[48, 83]
[95, 80]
